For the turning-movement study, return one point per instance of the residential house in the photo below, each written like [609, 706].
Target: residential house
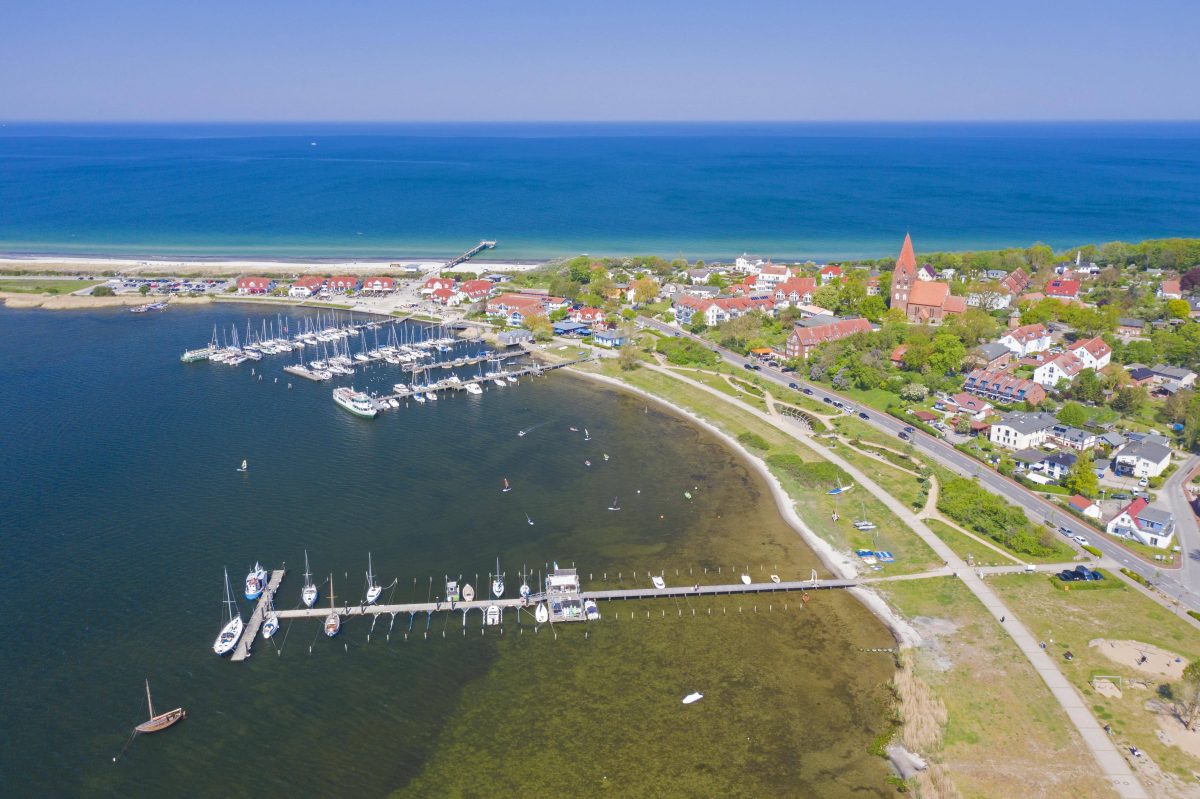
[609, 338]
[873, 286]
[747, 264]
[991, 357]
[306, 286]
[1071, 437]
[379, 285]
[1093, 352]
[342, 284]
[1177, 375]
[830, 273]
[897, 356]
[1170, 290]
[448, 297]
[515, 308]
[434, 283]
[1062, 367]
[771, 275]
[810, 311]
[476, 290]
[1016, 282]
[1020, 430]
[1062, 289]
[566, 327]
[1084, 506]
[1142, 459]
[255, 285]
[974, 408]
[1003, 387]
[1141, 375]
[1140, 522]
[803, 340]
[794, 291]
[508, 338]
[587, 316]
[1128, 327]
[1025, 340]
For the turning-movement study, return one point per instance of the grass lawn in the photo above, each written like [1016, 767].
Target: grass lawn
[35, 286]
[964, 545]
[900, 484]
[722, 385]
[1005, 734]
[1067, 620]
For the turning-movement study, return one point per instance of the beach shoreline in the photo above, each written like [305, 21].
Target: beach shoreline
[837, 563]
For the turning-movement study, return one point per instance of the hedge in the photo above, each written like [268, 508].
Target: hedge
[1194, 615]
[1137, 578]
[1092, 550]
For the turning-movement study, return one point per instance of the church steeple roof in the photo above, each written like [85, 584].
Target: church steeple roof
[907, 261]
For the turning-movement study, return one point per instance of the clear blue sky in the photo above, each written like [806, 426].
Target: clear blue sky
[402, 60]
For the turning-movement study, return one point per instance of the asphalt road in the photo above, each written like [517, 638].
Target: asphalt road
[1182, 584]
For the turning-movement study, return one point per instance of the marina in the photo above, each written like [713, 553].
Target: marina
[241, 650]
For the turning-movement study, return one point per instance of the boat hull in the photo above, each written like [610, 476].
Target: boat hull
[161, 721]
[229, 637]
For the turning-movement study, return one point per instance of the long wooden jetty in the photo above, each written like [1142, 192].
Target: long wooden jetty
[242, 650]
[462, 383]
[469, 254]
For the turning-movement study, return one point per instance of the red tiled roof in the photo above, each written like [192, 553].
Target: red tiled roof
[898, 353]
[1026, 333]
[929, 293]
[955, 304]
[908, 259]
[1080, 502]
[1097, 346]
[1062, 288]
[820, 334]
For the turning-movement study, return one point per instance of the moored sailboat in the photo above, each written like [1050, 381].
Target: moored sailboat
[333, 622]
[270, 624]
[373, 588]
[310, 592]
[228, 637]
[161, 721]
[498, 581]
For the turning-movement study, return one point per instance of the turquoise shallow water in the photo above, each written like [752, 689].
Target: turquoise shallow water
[121, 505]
[547, 190]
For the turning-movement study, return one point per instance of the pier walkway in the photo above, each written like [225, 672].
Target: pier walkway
[670, 592]
[242, 650]
[469, 254]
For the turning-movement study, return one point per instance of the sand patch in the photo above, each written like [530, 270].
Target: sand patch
[1172, 732]
[1106, 688]
[75, 302]
[1145, 658]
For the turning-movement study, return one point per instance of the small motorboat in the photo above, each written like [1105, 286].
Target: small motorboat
[161, 721]
[542, 613]
[693, 698]
[393, 402]
[587, 463]
[468, 593]
[429, 395]
[452, 591]
[419, 397]
[591, 611]
[573, 429]
[745, 579]
[658, 581]
[256, 581]
[492, 617]
[775, 578]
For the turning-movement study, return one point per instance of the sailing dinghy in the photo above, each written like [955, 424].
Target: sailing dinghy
[162, 720]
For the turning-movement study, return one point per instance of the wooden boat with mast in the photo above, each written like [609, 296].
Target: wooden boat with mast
[162, 720]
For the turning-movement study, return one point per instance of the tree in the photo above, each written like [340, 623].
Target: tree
[628, 357]
[559, 314]
[948, 353]
[1073, 414]
[828, 296]
[102, 291]
[1190, 279]
[645, 290]
[1187, 695]
[872, 308]
[962, 425]
[143, 289]
[1175, 408]
[1129, 399]
[539, 325]
[973, 326]
[1087, 387]
[914, 392]
[1081, 479]
[1179, 309]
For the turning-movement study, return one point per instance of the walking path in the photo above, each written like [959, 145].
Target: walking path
[1114, 767]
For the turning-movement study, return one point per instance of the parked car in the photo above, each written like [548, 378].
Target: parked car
[862, 415]
[837, 404]
[787, 369]
[827, 400]
[910, 430]
[808, 391]
[1084, 573]
[752, 366]
[1068, 576]
[1121, 495]
[1145, 481]
[903, 436]
[1067, 531]
[793, 385]
[1083, 542]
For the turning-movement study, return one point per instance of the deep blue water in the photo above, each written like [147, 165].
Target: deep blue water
[818, 190]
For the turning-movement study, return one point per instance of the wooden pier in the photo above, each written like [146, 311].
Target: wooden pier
[461, 384]
[469, 254]
[242, 650]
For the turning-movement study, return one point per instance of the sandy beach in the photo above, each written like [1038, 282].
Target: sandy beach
[73, 302]
[217, 267]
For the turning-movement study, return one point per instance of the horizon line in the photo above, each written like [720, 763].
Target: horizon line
[881, 121]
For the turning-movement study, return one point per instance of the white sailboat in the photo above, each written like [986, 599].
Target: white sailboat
[614, 505]
[310, 592]
[373, 588]
[232, 631]
[271, 622]
[498, 581]
[525, 590]
[528, 519]
[244, 466]
[586, 435]
[506, 488]
[864, 523]
[542, 614]
[333, 622]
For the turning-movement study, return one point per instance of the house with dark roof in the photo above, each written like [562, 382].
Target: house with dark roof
[1020, 431]
[1142, 459]
[1071, 437]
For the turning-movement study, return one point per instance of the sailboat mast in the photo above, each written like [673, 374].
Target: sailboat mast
[149, 703]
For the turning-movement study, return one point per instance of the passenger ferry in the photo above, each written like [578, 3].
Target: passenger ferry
[356, 402]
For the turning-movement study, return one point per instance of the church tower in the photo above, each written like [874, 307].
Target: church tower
[904, 275]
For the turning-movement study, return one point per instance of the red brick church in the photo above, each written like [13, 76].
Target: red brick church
[923, 300]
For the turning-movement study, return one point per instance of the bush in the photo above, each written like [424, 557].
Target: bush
[749, 388]
[753, 440]
[1091, 550]
[1194, 615]
[685, 352]
[1137, 578]
[102, 291]
[987, 514]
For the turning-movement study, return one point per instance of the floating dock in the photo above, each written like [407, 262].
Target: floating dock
[242, 650]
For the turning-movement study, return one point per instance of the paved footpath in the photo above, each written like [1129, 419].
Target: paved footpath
[1113, 766]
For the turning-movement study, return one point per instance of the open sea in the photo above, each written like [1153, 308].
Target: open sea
[543, 190]
[121, 505]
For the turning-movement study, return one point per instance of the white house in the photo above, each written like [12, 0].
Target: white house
[1020, 430]
[1093, 352]
[1062, 367]
[1142, 459]
[1085, 506]
[1027, 339]
[1140, 522]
